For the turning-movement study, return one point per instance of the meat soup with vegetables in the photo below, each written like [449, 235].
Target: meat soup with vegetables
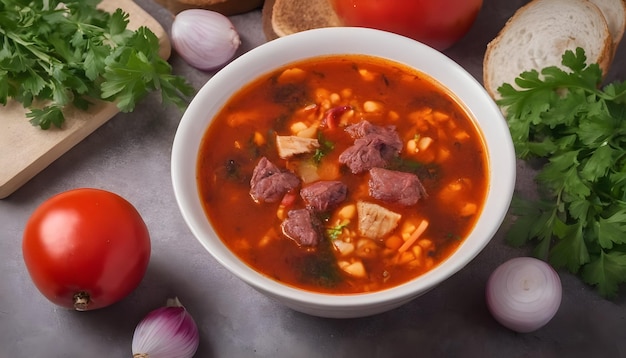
[343, 174]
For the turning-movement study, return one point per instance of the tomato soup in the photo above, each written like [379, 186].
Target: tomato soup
[343, 174]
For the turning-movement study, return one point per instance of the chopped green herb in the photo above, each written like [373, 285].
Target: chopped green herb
[333, 232]
[579, 129]
[326, 147]
[320, 268]
[54, 54]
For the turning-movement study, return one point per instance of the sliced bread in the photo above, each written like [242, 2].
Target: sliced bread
[538, 34]
[614, 12]
[284, 17]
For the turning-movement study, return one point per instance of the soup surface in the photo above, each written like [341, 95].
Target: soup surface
[342, 174]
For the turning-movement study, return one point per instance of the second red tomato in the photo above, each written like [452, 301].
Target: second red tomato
[437, 23]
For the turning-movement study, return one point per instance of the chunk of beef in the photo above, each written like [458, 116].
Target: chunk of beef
[374, 146]
[302, 226]
[269, 183]
[325, 194]
[395, 187]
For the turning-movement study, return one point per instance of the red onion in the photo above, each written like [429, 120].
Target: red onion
[524, 294]
[204, 39]
[167, 332]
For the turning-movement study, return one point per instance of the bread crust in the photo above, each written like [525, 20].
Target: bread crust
[226, 7]
[615, 13]
[560, 42]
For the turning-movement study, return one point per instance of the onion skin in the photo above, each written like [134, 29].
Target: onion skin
[205, 39]
[523, 294]
[166, 332]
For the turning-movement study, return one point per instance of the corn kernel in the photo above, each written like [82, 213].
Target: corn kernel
[425, 243]
[347, 212]
[344, 248]
[468, 209]
[440, 116]
[417, 251]
[372, 106]
[411, 146]
[297, 127]
[424, 143]
[281, 213]
[367, 75]
[461, 135]
[355, 269]
[291, 75]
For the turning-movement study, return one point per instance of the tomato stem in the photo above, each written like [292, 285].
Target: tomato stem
[81, 301]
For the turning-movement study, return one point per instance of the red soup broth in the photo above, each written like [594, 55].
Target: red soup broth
[318, 99]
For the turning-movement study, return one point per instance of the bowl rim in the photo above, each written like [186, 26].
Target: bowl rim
[337, 41]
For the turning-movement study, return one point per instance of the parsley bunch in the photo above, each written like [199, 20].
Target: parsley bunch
[578, 128]
[56, 53]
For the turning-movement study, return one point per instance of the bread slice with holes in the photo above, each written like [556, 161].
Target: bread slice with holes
[538, 34]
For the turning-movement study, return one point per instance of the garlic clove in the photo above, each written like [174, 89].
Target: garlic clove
[166, 332]
[205, 39]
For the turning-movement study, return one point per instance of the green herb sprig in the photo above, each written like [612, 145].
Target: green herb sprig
[565, 118]
[54, 54]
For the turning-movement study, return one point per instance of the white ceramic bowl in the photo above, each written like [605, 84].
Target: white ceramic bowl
[282, 51]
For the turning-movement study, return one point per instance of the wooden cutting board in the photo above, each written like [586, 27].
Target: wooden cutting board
[26, 150]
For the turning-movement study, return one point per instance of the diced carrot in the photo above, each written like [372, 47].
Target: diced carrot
[328, 170]
[393, 115]
[414, 236]
[444, 154]
[405, 257]
[259, 139]
[394, 242]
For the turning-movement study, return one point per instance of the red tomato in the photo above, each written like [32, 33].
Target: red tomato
[437, 23]
[86, 248]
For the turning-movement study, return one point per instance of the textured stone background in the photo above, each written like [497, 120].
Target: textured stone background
[130, 155]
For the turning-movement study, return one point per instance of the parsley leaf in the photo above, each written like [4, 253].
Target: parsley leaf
[54, 54]
[562, 116]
